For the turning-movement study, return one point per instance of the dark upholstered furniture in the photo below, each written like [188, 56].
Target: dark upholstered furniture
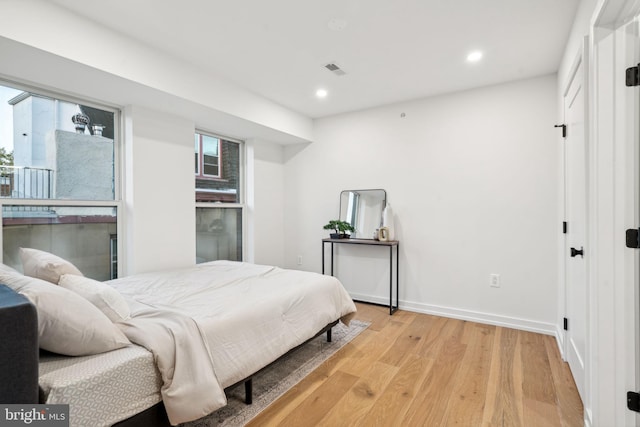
[18, 349]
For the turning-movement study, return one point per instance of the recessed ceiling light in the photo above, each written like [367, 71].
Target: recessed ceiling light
[321, 93]
[474, 56]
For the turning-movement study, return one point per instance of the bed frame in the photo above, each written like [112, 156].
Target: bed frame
[19, 355]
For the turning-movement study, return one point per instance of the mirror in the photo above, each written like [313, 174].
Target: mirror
[363, 210]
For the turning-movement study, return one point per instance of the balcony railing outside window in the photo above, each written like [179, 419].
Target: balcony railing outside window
[21, 182]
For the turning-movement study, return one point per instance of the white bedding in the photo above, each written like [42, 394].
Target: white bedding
[224, 321]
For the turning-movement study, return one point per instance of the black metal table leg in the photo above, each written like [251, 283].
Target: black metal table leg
[398, 276]
[390, 280]
[332, 258]
[392, 307]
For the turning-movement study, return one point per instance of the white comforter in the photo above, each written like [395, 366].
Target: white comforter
[214, 324]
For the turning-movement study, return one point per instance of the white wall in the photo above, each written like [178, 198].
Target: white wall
[472, 181]
[159, 191]
[265, 201]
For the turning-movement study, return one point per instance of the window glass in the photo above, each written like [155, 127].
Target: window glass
[217, 169]
[218, 234]
[83, 235]
[210, 158]
[54, 149]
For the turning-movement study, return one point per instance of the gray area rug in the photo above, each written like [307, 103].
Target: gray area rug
[274, 381]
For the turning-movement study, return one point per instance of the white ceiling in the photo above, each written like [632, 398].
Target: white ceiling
[391, 50]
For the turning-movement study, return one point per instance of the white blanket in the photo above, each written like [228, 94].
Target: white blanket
[213, 325]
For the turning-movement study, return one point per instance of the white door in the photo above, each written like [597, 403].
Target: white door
[576, 210]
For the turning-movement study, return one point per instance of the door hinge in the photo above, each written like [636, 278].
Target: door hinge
[564, 227]
[633, 401]
[633, 76]
[632, 236]
[564, 129]
[566, 324]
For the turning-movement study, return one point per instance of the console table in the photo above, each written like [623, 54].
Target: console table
[390, 244]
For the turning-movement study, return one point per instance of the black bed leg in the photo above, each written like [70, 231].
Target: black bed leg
[248, 391]
[329, 335]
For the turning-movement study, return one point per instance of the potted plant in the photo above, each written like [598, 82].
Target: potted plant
[340, 228]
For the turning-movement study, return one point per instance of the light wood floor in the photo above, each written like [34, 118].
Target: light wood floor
[413, 369]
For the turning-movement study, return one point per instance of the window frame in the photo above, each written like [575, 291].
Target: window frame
[118, 150]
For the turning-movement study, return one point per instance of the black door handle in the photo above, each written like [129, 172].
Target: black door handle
[575, 252]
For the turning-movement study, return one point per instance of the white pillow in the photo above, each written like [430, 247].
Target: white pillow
[45, 266]
[16, 280]
[69, 324]
[8, 276]
[4, 268]
[103, 296]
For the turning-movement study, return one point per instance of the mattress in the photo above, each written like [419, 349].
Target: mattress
[212, 325]
[101, 389]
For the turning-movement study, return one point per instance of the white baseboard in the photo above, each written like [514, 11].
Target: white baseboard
[560, 341]
[472, 316]
[587, 418]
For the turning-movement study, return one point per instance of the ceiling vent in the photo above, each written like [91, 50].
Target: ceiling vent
[335, 69]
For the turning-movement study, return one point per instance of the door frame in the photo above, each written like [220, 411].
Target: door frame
[613, 193]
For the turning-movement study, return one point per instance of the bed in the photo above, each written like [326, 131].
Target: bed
[187, 334]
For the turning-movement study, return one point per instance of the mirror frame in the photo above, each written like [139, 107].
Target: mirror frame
[384, 204]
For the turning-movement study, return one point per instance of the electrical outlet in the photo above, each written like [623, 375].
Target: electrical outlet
[494, 280]
[299, 259]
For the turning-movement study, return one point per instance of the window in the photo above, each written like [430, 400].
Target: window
[58, 187]
[219, 225]
[207, 156]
